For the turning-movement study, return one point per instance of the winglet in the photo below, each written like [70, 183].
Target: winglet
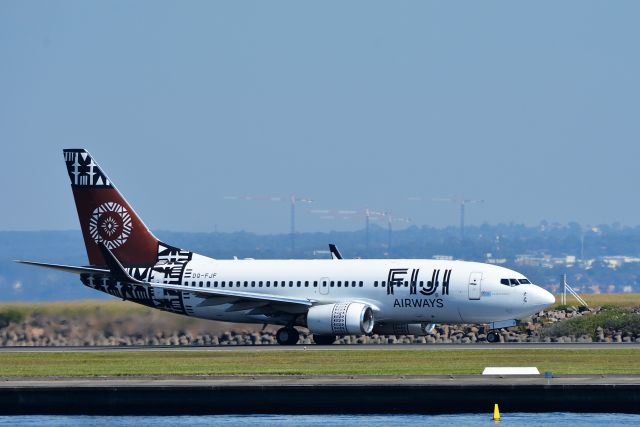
[116, 269]
[335, 253]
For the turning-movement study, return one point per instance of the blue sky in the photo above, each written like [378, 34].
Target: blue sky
[533, 107]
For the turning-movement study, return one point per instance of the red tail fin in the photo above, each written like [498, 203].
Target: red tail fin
[105, 216]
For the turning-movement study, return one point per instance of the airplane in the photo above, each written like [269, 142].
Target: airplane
[330, 297]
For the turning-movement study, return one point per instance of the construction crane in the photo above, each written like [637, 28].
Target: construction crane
[390, 219]
[368, 214]
[348, 214]
[293, 200]
[460, 201]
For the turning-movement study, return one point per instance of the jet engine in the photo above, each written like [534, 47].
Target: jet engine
[417, 329]
[343, 318]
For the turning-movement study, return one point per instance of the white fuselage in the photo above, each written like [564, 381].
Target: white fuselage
[422, 291]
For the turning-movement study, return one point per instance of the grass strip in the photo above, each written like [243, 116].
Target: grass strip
[300, 362]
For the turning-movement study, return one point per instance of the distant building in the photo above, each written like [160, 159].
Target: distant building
[617, 261]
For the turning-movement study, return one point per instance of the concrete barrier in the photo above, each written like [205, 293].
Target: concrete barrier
[328, 395]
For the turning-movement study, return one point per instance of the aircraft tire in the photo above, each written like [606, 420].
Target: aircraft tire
[324, 339]
[493, 337]
[287, 336]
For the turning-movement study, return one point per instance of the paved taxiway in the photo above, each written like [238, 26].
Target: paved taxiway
[318, 380]
[342, 347]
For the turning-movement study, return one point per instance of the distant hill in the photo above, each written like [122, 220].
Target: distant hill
[611, 253]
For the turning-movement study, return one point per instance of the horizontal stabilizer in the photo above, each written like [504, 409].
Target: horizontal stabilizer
[67, 268]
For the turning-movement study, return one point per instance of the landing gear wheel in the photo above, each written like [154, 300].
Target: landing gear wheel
[492, 337]
[287, 336]
[324, 339]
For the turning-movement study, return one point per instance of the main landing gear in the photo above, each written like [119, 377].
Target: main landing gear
[290, 336]
[287, 336]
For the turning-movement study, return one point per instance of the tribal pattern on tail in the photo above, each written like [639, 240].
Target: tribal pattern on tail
[83, 171]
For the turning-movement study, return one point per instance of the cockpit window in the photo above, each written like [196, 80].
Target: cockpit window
[513, 282]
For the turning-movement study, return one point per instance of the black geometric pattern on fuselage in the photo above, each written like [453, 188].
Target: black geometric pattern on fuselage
[168, 269]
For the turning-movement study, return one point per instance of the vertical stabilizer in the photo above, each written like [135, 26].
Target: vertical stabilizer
[105, 216]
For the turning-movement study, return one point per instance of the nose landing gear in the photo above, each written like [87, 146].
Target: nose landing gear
[493, 337]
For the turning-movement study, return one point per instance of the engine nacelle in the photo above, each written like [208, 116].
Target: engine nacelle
[342, 318]
[417, 329]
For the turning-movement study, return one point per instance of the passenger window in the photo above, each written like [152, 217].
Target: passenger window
[246, 284]
[315, 283]
[361, 283]
[208, 284]
[332, 283]
[223, 284]
[291, 284]
[384, 284]
[306, 283]
[200, 284]
[299, 283]
[253, 284]
[268, 284]
[339, 283]
[375, 284]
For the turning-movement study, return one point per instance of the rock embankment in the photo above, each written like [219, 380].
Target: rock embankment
[43, 330]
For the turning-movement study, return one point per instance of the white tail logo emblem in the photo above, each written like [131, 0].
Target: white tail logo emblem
[111, 224]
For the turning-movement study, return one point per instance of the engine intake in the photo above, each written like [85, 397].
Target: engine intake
[343, 318]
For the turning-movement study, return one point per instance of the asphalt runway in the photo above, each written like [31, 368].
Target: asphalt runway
[342, 347]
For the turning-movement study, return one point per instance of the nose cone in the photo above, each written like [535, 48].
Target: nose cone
[542, 298]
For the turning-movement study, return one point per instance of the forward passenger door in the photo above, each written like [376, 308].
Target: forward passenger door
[475, 285]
